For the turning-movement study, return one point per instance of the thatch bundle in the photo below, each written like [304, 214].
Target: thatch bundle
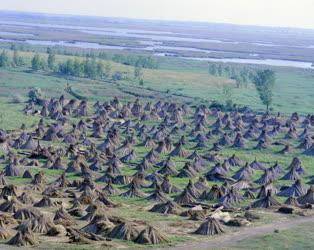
[3, 181]
[296, 190]
[308, 198]
[45, 202]
[78, 237]
[184, 198]
[11, 205]
[63, 217]
[23, 238]
[292, 201]
[8, 190]
[98, 226]
[5, 233]
[168, 167]
[30, 144]
[187, 171]
[168, 187]
[158, 195]
[231, 197]
[210, 227]
[213, 194]
[168, 207]
[39, 224]
[26, 213]
[12, 170]
[124, 231]
[109, 189]
[179, 151]
[151, 235]
[133, 192]
[291, 175]
[6, 220]
[266, 202]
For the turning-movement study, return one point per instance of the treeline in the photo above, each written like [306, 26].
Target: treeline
[241, 75]
[138, 61]
[88, 67]
[15, 61]
[86, 64]
[147, 62]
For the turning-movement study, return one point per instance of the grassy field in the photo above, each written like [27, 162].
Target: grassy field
[180, 78]
[177, 81]
[299, 237]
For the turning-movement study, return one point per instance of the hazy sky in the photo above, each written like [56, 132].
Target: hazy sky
[291, 13]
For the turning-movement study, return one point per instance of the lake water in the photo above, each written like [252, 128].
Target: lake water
[151, 46]
[84, 45]
[271, 62]
[7, 33]
[150, 36]
[154, 47]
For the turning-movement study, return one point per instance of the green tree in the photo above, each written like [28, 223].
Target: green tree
[51, 60]
[4, 59]
[90, 68]
[212, 69]
[37, 63]
[35, 94]
[100, 69]
[219, 70]
[264, 81]
[141, 82]
[107, 71]
[13, 47]
[17, 59]
[138, 72]
[237, 79]
[78, 68]
[227, 93]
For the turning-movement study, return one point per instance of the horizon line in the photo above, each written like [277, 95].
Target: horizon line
[158, 20]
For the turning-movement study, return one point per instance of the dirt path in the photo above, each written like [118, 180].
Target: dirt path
[230, 239]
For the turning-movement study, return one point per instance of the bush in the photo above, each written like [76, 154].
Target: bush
[217, 105]
[35, 94]
[117, 76]
[17, 99]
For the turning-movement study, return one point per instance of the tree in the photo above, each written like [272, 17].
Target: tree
[17, 59]
[212, 69]
[100, 69]
[51, 60]
[4, 59]
[219, 70]
[141, 82]
[264, 83]
[227, 93]
[90, 68]
[78, 67]
[13, 46]
[138, 72]
[237, 79]
[37, 63]
[35, 94]
[107, 70]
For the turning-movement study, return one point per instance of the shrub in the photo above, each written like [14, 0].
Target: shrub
[16, 98]
[35, 94]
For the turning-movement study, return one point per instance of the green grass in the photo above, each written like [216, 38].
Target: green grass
[181, 79]
[11, 115]
[300, 237]
[293, 92]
